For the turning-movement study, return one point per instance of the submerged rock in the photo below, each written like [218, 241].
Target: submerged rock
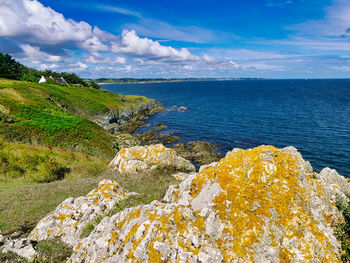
[256, 205]
[143, 158]
[159, 127]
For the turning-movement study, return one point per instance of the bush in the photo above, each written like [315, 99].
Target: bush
[10, 68]
[51, 171]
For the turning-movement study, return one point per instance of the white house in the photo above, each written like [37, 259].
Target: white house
[60, 80]
[42, 80]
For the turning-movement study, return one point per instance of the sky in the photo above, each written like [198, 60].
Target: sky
[180, 39]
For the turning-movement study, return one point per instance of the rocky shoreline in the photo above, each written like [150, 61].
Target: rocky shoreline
[126, 122]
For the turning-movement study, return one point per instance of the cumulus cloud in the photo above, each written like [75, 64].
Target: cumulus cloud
[96, 58]
[132, 44]
[36, 56]
[30, 20]
[32, 24]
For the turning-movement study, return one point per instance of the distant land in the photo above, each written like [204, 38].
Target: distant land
[152, 80]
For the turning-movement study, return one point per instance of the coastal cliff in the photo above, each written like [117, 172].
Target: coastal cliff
[257, 205]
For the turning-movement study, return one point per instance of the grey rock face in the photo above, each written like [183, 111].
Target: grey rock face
[255, 205]
[23, 247]
[143, 158]
[258, 205]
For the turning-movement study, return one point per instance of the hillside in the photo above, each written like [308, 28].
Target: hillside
[59, 115]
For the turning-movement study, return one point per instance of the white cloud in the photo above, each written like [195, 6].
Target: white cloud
[45, 66]
[36, 56]
[234, 64]
[188, 67]
[119, 10]
[335, 23]
[96, 58]
[208, 58]
[132, 44]
[30, 20]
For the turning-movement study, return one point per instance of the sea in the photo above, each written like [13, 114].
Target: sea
[311, 115]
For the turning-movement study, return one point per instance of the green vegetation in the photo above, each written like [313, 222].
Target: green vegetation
[11, 69]
[23, 170]
[59, 115]
[343, 232]
[52, 251]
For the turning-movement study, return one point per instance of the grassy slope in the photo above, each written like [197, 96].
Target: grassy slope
[60, 140]
[23, 168]
[59, 116]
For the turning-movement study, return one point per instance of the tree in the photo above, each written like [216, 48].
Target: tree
[10, 68]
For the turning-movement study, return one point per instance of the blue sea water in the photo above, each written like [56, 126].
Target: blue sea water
[312, 115]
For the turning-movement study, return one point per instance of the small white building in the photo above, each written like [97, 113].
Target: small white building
[60, 81]
[42, 80]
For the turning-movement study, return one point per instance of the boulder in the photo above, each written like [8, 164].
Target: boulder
[203, 152]
[70, 218]
[143, 158]
[24, 247]
[257, 205]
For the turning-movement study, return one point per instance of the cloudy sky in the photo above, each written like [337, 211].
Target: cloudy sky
[167, 38]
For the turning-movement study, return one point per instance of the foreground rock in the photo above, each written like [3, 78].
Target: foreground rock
[69, 219]
[145, 158]
[257, 205]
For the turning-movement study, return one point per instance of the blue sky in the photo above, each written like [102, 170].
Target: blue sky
[253, 38]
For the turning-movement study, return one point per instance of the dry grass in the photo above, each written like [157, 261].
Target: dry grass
[30, 203]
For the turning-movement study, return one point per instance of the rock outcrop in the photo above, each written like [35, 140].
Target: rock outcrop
[257, 205]
[127, 120]
[202, 153]
[69, 219]
[143, 158]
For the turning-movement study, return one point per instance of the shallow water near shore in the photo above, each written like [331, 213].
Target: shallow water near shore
[311, 115]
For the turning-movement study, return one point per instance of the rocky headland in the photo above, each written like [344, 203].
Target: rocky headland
[257, 205]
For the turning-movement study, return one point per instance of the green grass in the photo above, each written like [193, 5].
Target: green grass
[59, 116]
[343, 232]
[52, 251]
[24, 170]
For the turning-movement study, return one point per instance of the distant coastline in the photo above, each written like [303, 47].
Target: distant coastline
[103, 81]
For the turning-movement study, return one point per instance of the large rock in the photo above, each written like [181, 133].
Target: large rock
[256, 205]
[143, 158]
[70, 218]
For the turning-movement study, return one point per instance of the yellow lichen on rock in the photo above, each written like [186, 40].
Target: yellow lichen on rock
[139, 158]
[256, 205]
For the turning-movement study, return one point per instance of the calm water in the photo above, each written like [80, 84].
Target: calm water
[312, 115]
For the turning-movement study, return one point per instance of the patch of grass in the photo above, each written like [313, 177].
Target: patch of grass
[23, 167]
[343, 233]
[21, 163]
[91, 226]
[52, 251]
